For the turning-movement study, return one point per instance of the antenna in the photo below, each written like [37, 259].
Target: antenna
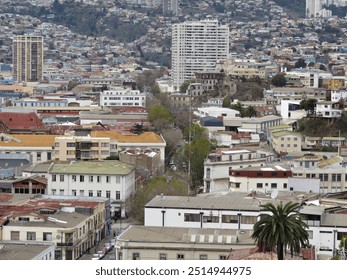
[274, 194]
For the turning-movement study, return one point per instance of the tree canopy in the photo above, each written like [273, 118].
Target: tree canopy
[280, 227]
[279, 80]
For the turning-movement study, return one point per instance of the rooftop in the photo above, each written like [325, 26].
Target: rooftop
[146, 137]
[107, 167]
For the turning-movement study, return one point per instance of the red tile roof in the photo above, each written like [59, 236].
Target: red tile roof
[24, 121]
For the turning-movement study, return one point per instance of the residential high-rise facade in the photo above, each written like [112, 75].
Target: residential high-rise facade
[313, 8]
[27, 58]
[197, 46]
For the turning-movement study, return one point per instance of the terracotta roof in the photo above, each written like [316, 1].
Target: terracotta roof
[30, 141]
[25, 121]
[146, 137]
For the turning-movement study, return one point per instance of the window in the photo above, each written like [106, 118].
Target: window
[338, 177]
[71, 144]
[203, 257]
[74, 192]
[47, 236]
[91, 179]
[259, 185]
[90, 193]
[117, 179]
[248, 220]
[62, 178]
[136, 256]
[108, 179]
[162, 256]
[61, 192]
[117, 195]
[98, 193]
[81, 178]
[284, 185]
[31, 235]
[74, 178]
[211, 219]
[180, 256]
[98, 179]
[232, 219]
[14, 235]
[38, 156]
[54, 178]
[222, 257]
[191, 217]
[108, 194]
[273, 185]
[56, 144]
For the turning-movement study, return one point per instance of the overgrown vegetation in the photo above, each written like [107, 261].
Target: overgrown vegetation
[321, 127]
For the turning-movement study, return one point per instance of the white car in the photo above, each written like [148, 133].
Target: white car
[108, 246]
[113, 242]
[95, 257]
[101, 254]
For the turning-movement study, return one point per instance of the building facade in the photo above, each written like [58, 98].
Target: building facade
[27, 58]
[197, 46]
[122, 97]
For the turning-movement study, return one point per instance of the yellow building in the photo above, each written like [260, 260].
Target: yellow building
[287, 142]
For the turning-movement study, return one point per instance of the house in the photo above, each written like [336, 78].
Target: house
[39, 147]
[287, 142]
[171, 243]
[21, 123]
[110, 179]
[331, 172]
[324, 214]
[218, 165]
[328, 109]
[264, 178]
[74, 225]
[29, 250]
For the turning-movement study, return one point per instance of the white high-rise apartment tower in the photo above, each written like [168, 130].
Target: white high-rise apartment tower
[197, 46]
[313, 8]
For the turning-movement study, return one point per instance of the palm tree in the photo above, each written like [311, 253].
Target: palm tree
[281, 228]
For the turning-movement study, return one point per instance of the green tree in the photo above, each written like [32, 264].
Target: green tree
[155, 186]
[250, 112]
[300, 63]
[196, 153]
[197, 131]
[238, 107]
[279, 80]
[226, 102]
[159, 116]
[281, 227]
[185, 85]
[308, 105]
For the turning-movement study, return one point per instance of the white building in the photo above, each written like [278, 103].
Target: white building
[328, 109]
[217, 112]
[218, 165]
[313, 8]
[122, 97]
[337, 95]
[239, 211]
[197, 46]
[111, 179]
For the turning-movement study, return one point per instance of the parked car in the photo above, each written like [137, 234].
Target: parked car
[101, 254]
[113, 242]
[96, 257]
[108, 246]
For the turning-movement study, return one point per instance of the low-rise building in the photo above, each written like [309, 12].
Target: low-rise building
[110, 179]
[171, 243]
[122, 97]
[287, 142]
[218, 165]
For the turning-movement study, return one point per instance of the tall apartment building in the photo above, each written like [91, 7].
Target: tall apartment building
[27, 58]
[313, 8]
[197, 46]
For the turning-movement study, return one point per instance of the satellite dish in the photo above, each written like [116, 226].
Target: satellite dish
[274, 194]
